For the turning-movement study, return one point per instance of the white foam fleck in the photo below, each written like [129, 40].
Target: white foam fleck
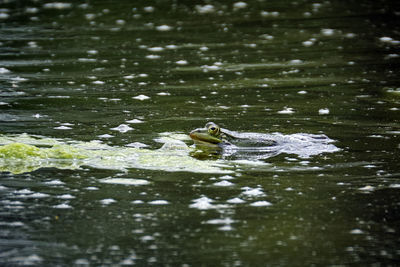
[138, 201]
[4, 15]
[141, 97]
[158, 202]
[107, 201]
[62, 127]
[239, 5]
[136, 145]
[323, 111]
[66, 196]
[235, 200]
[105, 136]
[181, 62]
[223, 183]
[164, 28]
[226, 177]
[86, 60]
[367, 188]
[135, 121]
[57, 5]
[202, 203]
[394, 186]
[307, 43]
[54, 182]
[37, 195]
[253, 192]
[296, 61]
[155, 49]
[98, 82]
[91, 188]
[286, 110]
[148, 9]
[220, 221]
[62, 206]
[386, 39]
[206, 9]
[327, 32]
[153, 56]
[262, 203]
[4, 71]
[122, 128]
[125, 181]
[356, 232]
[163, 93]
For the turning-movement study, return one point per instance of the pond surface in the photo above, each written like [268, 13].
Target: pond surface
[97, 99]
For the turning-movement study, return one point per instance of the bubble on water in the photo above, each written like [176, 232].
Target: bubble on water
[122, 128]
[164, 28]
[302, 92]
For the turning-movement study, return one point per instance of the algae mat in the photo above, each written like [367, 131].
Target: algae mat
[26, 153]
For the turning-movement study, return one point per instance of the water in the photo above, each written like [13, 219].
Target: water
[125, 75]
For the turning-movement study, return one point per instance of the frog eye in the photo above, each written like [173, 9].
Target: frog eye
[213, 130]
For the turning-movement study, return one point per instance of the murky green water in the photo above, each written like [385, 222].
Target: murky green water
[97, 99]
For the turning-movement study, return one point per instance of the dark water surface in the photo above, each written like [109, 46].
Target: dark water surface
[129, 73]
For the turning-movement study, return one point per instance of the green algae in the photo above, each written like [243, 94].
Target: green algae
[25, 153]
